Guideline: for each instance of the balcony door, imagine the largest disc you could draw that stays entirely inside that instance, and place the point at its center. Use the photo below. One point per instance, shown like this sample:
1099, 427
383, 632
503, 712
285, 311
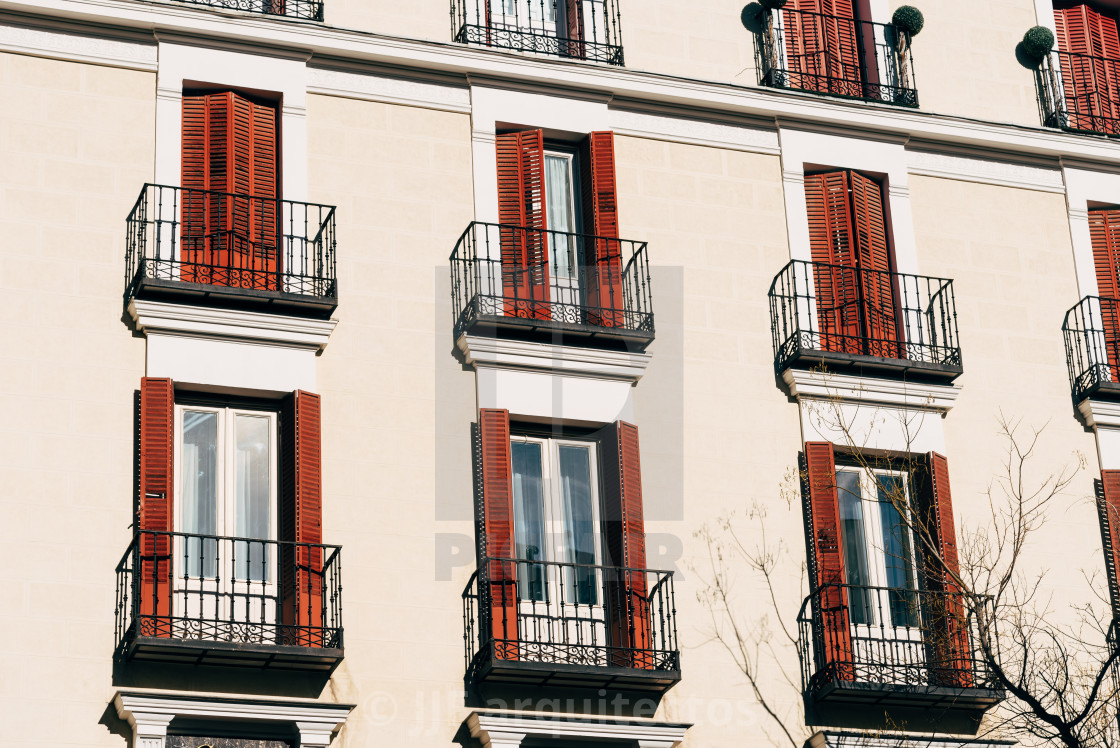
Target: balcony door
880, 571
557, 542
561, 199
225, 581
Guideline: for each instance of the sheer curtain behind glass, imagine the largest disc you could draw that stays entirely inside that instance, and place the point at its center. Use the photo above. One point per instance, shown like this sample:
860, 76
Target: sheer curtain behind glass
199, 493
854, 536
558, 194
579, 523
253, 488
528, 516
898, 553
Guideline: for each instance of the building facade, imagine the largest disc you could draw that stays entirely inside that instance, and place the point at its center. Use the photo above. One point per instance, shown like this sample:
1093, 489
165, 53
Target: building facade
588, 372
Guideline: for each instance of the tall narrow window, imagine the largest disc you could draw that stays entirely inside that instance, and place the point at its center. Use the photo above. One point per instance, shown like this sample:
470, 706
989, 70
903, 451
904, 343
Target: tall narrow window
856, 301
1104, 231
229, 204
1089, 57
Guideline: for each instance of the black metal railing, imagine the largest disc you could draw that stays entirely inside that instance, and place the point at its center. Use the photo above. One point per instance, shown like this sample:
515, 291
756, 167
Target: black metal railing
837, 56
570, 614
554, 278
841, 309
1092, 337
1080, 92
185, 586
573, 29
308, 9
231, 240
892, 637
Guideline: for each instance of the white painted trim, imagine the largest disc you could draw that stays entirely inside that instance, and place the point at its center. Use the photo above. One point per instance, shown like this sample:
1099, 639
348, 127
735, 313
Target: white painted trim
1098, 413
230, 324
482, 351
843, 387
78, 46
150, 714
388, 89
830, 739
1085, 184
806, 149
483, 725
985, 171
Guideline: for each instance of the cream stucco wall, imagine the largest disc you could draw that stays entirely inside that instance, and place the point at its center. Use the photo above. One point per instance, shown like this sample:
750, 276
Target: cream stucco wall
76, 144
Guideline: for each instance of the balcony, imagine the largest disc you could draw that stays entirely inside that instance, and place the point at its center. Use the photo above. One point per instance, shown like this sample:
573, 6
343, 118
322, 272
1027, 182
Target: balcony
845, 317
532, 623
1092, 335
836, 56
200, 245
210, 600
527, 281
585, 30
894, 648
1080, 93
311, 10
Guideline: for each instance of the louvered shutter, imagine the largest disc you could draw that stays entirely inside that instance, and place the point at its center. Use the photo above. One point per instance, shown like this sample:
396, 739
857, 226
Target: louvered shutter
498, 570
947, 625
155, 505
826, 569
627, 589
1089, 69
301, 521
1108, 505
1104, 230
873, 256
834, 274
822, 51
229, 232
605, 305
521, 211
573, 19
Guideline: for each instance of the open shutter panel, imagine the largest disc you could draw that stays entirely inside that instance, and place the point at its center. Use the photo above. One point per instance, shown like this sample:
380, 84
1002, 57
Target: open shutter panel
948, 632
301, 521
627, 589
600, 207
826, 568
155, 520
498, 573
1104, 230
205, 217
835, 275
821, 49
1089, 74
873, 255
521, 211
574, 21
1108, 504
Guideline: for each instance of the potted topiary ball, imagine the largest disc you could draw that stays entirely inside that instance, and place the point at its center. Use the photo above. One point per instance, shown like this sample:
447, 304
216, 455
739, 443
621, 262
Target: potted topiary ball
908, 20
1037, 42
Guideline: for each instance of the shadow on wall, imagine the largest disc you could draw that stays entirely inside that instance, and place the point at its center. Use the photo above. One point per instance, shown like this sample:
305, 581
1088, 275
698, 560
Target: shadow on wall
307, 685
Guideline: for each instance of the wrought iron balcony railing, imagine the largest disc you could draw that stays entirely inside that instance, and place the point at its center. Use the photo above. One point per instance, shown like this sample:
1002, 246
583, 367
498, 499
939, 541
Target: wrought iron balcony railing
564, 619
836, 56
1080, 92
210, 595
311, 10
535, 279
914, 643
217, 242
1092, 336
842, 315
572, 29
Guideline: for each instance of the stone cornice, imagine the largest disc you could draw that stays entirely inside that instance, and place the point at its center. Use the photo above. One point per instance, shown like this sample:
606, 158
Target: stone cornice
1099, 413
230, 324
481, 351
842, 387
482, 724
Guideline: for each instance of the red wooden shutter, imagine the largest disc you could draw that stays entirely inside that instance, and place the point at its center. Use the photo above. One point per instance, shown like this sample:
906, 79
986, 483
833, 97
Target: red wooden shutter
627, 588
573, 18
874, 258
1104, 230
822, 53
600, 207
1089, 70
301, 521
521, 211
1108, 505
948, 625
156, 503
822, 519
229, 149
499, 575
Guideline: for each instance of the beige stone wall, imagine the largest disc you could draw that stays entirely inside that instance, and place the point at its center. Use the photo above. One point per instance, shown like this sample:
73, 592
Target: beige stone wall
76, 144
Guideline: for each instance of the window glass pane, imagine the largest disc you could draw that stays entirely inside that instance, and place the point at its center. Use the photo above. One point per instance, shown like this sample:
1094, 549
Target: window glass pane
253, 489
854, 536
199, 492
579, 523
528, 516
561, 218
897, 550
